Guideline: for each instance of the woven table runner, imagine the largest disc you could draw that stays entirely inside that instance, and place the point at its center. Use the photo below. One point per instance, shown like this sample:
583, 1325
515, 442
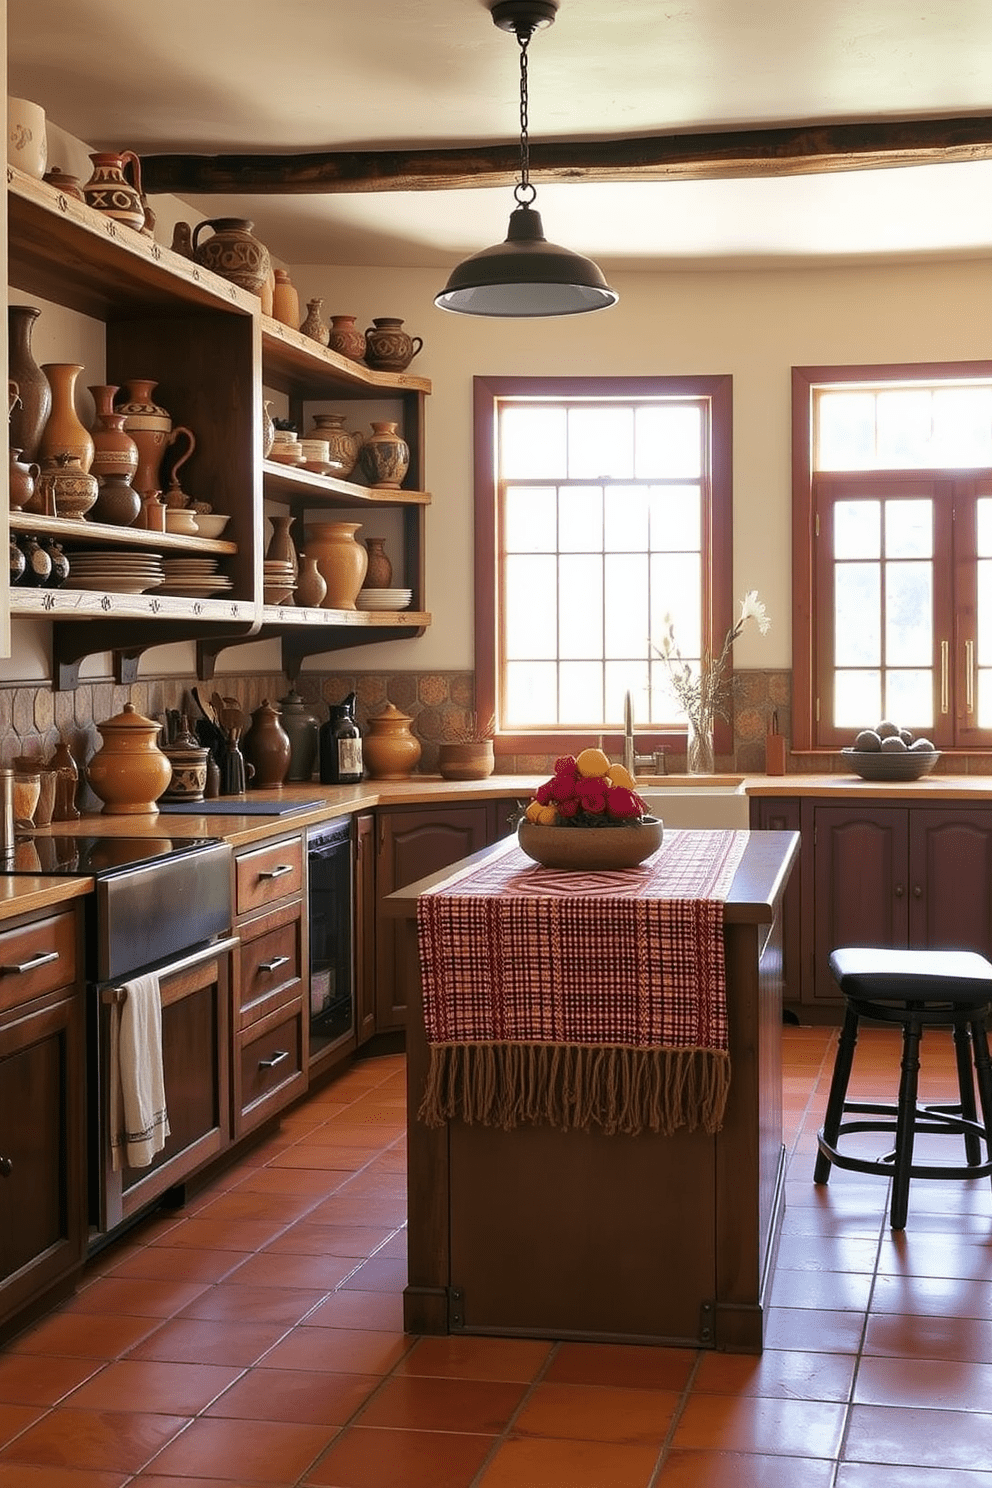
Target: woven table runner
580, 999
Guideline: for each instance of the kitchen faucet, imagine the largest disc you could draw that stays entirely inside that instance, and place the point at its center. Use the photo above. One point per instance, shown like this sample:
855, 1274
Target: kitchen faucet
631, 759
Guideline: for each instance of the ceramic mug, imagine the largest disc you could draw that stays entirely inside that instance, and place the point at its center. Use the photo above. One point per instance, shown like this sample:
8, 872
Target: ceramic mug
27, 142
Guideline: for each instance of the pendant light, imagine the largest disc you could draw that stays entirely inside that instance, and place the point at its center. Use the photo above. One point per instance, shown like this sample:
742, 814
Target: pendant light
525, 275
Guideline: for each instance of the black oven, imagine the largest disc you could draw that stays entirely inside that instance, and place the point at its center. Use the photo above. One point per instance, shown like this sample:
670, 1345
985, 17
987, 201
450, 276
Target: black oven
332, 964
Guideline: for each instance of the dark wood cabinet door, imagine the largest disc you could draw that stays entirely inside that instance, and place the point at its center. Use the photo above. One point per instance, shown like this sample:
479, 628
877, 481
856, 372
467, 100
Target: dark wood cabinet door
413, 842
773, 814
364, 927
950, 878
860, 889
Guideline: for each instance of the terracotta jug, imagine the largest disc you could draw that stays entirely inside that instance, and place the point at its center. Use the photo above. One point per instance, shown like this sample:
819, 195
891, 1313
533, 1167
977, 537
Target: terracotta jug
109, 191
115, 452
152, 430
341, 559
266, 746
285, 300
129, 772
390, 750
29, 411
385, 455
346, 338
388, 348
233, 252
342, 448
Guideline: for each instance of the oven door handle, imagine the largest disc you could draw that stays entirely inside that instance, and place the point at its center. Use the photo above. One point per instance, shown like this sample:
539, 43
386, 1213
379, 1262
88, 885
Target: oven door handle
118, 993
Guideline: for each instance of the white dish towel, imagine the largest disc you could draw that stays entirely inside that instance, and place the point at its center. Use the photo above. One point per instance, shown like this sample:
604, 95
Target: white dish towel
139, 1122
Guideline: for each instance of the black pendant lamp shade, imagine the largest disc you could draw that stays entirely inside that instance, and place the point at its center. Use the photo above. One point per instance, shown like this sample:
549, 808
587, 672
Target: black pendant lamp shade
525, 275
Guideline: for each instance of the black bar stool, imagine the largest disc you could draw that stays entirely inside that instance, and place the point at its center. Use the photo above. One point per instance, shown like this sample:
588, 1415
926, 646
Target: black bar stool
917, 990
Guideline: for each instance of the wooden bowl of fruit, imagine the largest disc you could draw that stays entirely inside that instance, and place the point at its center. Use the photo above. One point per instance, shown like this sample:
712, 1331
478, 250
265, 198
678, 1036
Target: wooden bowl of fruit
888, 752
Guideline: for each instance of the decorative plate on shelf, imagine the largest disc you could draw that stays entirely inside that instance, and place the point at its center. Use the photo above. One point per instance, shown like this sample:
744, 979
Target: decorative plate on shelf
875, 764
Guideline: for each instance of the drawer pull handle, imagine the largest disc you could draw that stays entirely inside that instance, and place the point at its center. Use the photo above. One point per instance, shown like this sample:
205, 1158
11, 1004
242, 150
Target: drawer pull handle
276, 1058
278, 872
274, 964
6, 1166
43, 958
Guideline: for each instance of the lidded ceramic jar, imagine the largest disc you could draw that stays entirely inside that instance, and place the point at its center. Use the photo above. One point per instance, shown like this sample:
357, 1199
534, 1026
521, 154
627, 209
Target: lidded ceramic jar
390, 749
129, 771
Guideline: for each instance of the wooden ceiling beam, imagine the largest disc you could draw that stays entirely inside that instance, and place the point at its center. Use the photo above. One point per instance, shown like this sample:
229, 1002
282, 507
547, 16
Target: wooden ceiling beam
807, 149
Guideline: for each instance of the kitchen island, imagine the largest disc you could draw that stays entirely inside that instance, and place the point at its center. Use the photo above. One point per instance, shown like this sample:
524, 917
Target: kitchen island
650, 1238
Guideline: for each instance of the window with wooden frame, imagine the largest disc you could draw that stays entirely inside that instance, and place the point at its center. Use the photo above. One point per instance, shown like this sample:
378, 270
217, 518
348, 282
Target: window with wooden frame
892, 553
602, 505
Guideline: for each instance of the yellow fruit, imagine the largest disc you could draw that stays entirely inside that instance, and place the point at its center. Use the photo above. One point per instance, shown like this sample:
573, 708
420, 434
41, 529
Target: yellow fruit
593, 764
548, 816
533, 812
620, 776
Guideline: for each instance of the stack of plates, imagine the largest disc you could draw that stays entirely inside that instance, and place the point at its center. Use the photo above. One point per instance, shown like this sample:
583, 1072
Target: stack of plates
278, 581
196, 578
384, 599
114, 572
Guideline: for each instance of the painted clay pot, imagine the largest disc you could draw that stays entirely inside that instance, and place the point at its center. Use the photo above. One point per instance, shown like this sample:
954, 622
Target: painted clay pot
388, 348
189, 774
233, 252
62, 181
27, 138
345, 338
115, 452
129, 772
118, 503
64, 432
151, 428
389, 748
314, 326
342, 447
342, 561
33, 402
64, 489
385, 456
109, 191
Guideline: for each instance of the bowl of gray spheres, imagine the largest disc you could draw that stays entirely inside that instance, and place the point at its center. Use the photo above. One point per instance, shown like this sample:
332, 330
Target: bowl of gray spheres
888, 752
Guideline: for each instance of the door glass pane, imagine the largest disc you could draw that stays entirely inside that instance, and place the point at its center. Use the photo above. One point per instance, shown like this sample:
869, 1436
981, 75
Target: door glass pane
857, 699
668, 441
530, 522
531, 610
858, 529
909, 698
580, 607
857, 615
600, 443
908, 615
909, 529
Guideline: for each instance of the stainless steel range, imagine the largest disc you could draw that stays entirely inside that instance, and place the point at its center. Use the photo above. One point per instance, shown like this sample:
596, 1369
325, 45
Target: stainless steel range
159, 904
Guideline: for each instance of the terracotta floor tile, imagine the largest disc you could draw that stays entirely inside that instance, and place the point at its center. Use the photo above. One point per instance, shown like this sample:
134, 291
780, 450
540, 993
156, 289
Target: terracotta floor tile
519, 1359
321, 1273
15, 1419
153, 1480
827, 1253
379, 1274
242, 1204
906, 1435
741, 1470
781, 1373
195, 1341
569, 1464
872, 1475
621, 1364
935, 1297
18, 1475
153, 1385
968, 1340
416, 1403
597, 1413
796, 1428
300, 1396
170, 1263
342, 1208
264, 1451
840, 1291
41, 1379
934, 1254
258, 1304
124, 1296
339, 1350
363, 1458
82, 1334
108, 1440
289, 1180
378, 1311
938, 1384
305, 1238
244, 1235
326, 1159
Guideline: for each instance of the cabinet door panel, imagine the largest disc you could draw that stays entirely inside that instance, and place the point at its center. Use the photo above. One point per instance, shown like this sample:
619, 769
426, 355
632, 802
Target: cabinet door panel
859, 887
950, 879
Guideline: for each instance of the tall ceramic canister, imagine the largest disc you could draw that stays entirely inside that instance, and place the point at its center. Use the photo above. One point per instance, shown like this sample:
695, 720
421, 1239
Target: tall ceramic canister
27, 137
33, 401
129, 771
391, 751
152, 430
109, 191
233, 252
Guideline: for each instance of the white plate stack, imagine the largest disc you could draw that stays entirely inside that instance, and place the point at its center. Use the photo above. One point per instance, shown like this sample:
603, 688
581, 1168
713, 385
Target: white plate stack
114, 572
384, 599
194, 578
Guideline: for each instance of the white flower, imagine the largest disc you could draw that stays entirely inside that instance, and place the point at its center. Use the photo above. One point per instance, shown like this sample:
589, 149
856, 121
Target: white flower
752, 608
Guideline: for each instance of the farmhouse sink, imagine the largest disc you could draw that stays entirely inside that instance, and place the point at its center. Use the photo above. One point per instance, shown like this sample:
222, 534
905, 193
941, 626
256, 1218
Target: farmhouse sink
695, 801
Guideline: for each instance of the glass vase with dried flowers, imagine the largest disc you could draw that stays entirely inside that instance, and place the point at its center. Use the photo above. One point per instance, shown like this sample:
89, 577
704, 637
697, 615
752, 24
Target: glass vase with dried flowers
705, 690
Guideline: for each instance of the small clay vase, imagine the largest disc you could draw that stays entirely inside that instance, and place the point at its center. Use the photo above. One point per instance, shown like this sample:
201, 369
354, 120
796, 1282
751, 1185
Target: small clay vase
388, 348
62, 181
310, 586
109, 191
342, 448
115, 452
233, 252
23, 478
182, 240
390, 750
385, 456
118, 503
341, 559
266, 747
151, 428
64, 489
285, 300
64, 433
345, 338
379, 574
129, 771
281, 546
314, 326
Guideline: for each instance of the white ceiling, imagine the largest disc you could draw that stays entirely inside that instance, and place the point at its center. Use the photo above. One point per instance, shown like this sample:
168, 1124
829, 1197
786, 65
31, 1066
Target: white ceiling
206, 76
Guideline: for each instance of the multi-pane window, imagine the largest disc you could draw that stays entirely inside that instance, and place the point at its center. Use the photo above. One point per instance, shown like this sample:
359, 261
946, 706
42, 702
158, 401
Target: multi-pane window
897, 506
601, 509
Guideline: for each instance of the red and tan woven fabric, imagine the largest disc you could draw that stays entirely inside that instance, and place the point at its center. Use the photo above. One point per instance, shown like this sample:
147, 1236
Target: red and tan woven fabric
582, 999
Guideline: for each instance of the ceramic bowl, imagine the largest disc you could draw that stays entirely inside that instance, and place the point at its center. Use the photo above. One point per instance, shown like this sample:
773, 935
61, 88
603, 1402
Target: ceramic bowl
591, 849
181, 519
211, 524
874, 764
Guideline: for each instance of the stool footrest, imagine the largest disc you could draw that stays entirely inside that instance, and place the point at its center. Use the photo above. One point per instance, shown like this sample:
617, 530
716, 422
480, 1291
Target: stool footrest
941, 1119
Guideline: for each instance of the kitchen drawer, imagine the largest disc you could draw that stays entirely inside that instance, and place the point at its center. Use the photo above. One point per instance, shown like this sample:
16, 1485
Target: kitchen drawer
267, 874
271, 1066
271, 962
36, 958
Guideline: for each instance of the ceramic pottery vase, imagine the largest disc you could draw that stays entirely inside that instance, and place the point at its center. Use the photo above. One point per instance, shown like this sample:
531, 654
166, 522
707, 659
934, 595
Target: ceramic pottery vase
64, 488
118, 503
341, 559
189, 774
388, 348
385, 456
27, 140
266, 747
115, 452
285, 300
64, 433
37, 563
182, 240
59, 561
472, 759
62, 181
390, 750
233, 252
342, 448
310, 587
281, 547
379, 574
302, 728
314, 326
345, 337
23, 478
268, 429
109, 191
129, 772
152, 430
29, 413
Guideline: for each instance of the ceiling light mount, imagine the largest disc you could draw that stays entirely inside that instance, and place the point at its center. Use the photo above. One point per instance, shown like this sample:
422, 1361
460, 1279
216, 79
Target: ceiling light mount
525, 275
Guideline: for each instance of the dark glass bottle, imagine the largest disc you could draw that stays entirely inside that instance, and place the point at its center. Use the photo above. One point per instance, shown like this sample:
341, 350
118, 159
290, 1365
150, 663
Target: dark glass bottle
341, 745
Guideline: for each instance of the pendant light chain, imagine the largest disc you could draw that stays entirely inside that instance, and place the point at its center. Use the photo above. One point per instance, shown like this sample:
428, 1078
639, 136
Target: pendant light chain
524, 193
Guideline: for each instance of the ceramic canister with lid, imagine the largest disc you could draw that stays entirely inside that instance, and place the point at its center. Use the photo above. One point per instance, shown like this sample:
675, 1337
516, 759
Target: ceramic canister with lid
129, 772
391, 751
